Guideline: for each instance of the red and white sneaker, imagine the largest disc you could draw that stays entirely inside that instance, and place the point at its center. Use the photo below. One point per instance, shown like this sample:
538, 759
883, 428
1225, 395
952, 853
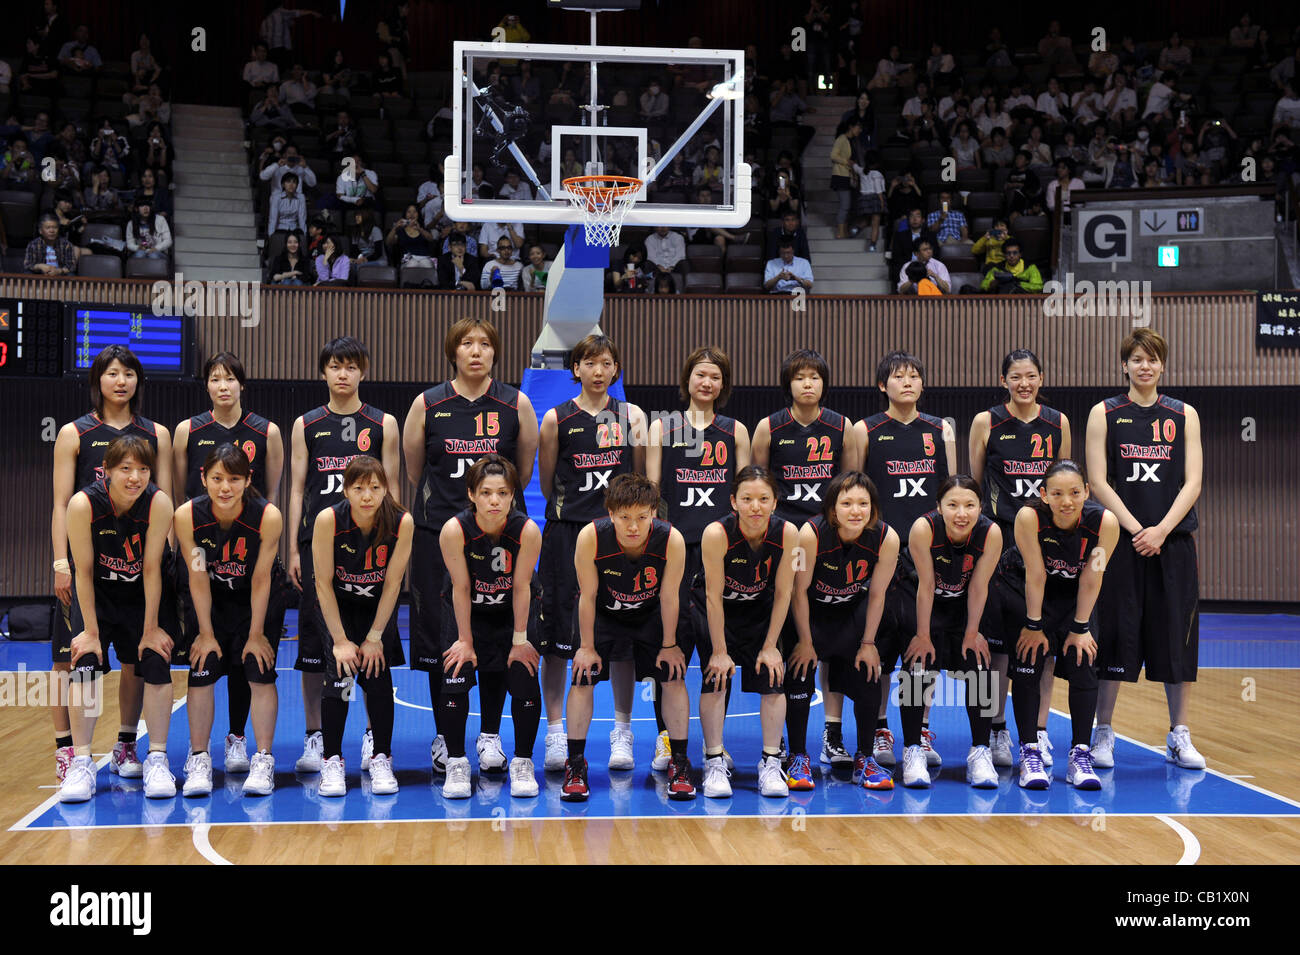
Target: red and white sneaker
679, 784
575, 780
124, 762
932, 757
62, 760
882, 747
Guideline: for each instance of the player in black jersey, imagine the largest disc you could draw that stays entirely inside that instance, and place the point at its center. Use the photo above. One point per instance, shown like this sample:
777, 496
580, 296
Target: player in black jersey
448, 428
1042, 605
228, 537
1144, 461
116, 380
366, 539
489, 627
260, 441
1011, 446
848, 557
954, 550
117, 533
740, 601
907, 455
585, 443
325, 440
629, 567
694, 460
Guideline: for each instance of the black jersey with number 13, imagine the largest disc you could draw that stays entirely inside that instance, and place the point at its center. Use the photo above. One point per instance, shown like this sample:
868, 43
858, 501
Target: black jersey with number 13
628, 589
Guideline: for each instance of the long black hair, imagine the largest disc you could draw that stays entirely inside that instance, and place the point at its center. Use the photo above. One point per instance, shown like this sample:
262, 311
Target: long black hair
235, 462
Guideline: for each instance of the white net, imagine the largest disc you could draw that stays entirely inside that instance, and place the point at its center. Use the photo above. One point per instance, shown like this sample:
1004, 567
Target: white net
603, 202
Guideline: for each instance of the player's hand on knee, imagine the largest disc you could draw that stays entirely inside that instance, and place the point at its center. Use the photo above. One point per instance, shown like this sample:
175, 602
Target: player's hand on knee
372, 659
525, 654
868, 660
920, 650
157, 640
770, 657
803, 660
457, 655
975, 645
259, 648
1029, 645
671, 659
204, 644
346, 658
1083, 645
82, 644
586, 663
719, 669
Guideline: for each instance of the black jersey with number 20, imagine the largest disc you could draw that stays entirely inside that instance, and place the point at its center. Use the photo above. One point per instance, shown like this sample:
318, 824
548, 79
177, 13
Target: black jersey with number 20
696, 474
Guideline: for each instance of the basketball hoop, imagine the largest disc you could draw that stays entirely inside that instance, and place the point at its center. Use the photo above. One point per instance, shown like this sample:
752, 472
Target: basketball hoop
603, 202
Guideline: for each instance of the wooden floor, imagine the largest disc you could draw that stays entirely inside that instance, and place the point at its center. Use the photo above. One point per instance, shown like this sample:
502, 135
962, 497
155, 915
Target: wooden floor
1259, 737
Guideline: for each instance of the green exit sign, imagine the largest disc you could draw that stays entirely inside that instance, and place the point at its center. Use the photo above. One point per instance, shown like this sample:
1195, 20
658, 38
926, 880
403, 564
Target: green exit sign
1168, 257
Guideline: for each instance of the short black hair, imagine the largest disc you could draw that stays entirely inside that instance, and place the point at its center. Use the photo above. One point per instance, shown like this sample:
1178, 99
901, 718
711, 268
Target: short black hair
289, 177
798, 361
896, 360
345, 348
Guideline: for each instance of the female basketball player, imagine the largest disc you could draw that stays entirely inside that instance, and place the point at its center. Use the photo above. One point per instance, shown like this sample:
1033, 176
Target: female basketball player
1043, 603
741, 603
1011, 446
231, 589
447, 429
1144, 459
489, 626
845, 583
585, 443
366, 538
259, 439
806, 445
907, 454
116, 379
692, 460
955, 550
117, 534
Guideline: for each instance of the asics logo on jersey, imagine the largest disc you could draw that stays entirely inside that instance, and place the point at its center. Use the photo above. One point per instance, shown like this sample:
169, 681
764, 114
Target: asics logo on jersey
1007, 437
442, 414
596, 480
99, 444
911, 487
805, 492
1025, 488
1143, 472
321, 434
783, 442
698, 497
204, 444
1123, 420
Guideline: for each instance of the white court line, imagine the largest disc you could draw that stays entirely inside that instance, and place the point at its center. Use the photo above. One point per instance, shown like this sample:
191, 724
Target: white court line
1191, 845
205, 847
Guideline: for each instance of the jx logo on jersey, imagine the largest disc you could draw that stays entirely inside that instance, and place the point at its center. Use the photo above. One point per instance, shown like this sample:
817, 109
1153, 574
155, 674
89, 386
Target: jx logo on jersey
698, 497
834, 599
805, 492
490, 600
1025, 488
1143, 472
911, 487
596, 480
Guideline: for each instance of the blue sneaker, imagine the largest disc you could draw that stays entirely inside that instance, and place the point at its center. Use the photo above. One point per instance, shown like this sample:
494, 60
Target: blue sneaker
1032, 774
799, 775
868, 774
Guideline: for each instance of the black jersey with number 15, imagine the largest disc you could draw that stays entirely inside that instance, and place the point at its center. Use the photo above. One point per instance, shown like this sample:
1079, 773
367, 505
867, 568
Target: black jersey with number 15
592, 450
1147, 453
696, 474
333, 440
804, 459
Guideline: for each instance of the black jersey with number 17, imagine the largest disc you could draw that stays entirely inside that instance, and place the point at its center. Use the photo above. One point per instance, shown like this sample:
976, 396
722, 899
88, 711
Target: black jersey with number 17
591, 450
1147, 453
1016, 458
804, 459
698, 466
94, 436
118, 540
206, 434
906, 462
333, 440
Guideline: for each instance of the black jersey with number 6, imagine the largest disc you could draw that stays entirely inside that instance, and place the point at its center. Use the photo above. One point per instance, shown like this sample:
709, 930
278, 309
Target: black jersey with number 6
491, 563
119, 541
749, 573
206, 433
230, 553
906, 463
1147, 453
333, 440
842, 572
697, 469
628, 588
592, 450
804, 459
457, 432
954, 563
94, 437
360, 563
1016, 458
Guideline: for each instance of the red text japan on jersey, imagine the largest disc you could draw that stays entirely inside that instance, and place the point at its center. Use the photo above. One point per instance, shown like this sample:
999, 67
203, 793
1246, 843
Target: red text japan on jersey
1147, 452
600, 459
923, 466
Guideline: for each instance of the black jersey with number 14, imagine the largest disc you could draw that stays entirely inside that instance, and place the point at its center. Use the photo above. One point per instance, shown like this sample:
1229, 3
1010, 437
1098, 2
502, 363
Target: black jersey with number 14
229, 553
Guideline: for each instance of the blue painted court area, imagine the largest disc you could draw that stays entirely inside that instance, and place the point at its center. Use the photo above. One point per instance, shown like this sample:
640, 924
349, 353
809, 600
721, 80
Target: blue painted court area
1142, 784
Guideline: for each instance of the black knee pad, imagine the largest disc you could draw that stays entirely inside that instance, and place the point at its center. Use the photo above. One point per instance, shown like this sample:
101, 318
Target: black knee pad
797, 689
252, 672
521, 684
207, 674
154, 669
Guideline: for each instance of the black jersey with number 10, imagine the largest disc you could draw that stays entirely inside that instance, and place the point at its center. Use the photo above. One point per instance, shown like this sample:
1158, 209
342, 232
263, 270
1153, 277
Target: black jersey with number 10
1147, 453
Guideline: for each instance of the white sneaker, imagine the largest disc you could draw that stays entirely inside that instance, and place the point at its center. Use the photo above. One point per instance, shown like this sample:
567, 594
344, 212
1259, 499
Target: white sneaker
236, 757
457, 785
438, 754
63, 756
1032, 774
979, 768
1045, 748
882, 748
523, 778
1080, 774
313, 754
79, 781
932, 757
382, 780
663, 753
124, 761
916, 768
1103, 747
557, 752
620, 749
491, 757
333, 777
198, 775
367, 750
1180, 751
716, 785
1000, 747
731, 763
771, 781
261, 775
159, 783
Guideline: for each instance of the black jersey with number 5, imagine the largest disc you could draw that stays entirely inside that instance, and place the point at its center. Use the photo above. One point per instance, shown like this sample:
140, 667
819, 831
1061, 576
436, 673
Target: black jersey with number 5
491, 563
206, 433
457, 432
697, 469
230, 553
954, 563
628, 588
94, 437
749, 573
1146, 450
119, 541
333, 440
1016, 458
804, 459
842, 572
360, 563
591, 450
906, 462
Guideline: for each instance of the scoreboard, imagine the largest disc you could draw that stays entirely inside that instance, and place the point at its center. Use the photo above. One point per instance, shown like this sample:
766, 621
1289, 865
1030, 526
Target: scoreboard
31, 338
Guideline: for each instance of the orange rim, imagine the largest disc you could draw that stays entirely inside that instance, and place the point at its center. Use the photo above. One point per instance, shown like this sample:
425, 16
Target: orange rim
601, 188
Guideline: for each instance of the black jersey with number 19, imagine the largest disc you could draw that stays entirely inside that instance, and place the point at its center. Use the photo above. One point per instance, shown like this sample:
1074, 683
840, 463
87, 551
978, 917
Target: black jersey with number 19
1147, 451
333, 440
1016, 458
804, 459
628, 588
591, 450
491, 563
698, 467
94, 436
206, 433
906, 462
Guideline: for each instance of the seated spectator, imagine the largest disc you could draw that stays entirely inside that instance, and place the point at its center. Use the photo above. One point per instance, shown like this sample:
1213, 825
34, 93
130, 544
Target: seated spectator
1057, 51
458, 268
72, 222
271, 112
965, 148
259, 72
288, 162
935, 271
461, 229
1050, 104
677, 178
1159, 97
50, 253
490, 232
78, 55
1176, 56
1287, 111
664, 284
665, 250
996, 53
891, 70
147, 235
6, 77
356, 185
18, 167
1087, 104
709, 173
903, 243
1216, 141
67, 176
504, 270
1060, 188
344, 139
1099, 156
1120, 172
1120, 102
515, 188
481, 188
332, 265
145, 71
429, 196
870, 206
792, 230
37, 72
1069, 148
787, 271
788, 167
948, 223
1023, 191
785, 199
1014, 275
288, 207
903, 195
998, 153
1284, 71
1151, 178
298, 89
100, 196
654, 104
707, 235
988, 247
74, 148
361, 239
525, 87
785, 107
155, 154
1101, 65
1190, 169
1040, 154
941, 67
1242, 36
386, 80
535, 272
336, 76
634, 276
411, 242
109, 150
1019, 103
316, 230
1164, 163
39, 135
912, 106
150, 108
292, 266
